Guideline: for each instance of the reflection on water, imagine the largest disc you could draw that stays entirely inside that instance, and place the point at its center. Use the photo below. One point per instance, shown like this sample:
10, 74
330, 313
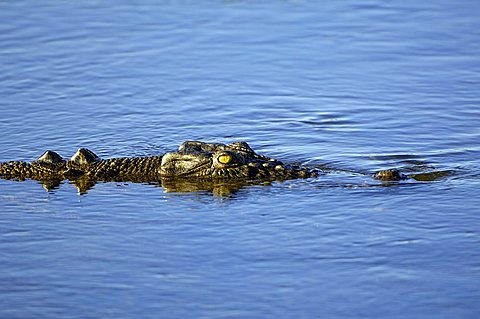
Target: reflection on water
225, 188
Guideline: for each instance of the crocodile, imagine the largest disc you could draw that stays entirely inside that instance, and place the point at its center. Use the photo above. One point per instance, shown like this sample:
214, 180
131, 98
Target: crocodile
194, 161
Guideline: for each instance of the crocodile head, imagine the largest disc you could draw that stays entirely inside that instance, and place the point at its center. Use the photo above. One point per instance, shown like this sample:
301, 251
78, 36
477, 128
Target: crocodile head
220, 161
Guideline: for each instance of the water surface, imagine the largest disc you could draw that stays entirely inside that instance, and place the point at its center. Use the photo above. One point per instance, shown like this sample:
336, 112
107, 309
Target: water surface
352, 87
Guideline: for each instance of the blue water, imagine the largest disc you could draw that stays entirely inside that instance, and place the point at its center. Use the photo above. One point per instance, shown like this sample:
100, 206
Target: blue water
350, 86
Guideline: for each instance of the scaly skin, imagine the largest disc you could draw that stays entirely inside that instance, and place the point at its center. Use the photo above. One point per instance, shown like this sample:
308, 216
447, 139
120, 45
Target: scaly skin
143, 169
33, 170
195, 161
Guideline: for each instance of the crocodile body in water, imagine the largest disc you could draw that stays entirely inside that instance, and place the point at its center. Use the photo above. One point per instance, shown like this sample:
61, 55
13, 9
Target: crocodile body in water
194, 161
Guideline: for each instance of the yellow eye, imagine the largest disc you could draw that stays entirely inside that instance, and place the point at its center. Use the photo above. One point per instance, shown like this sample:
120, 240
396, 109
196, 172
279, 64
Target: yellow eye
225, 158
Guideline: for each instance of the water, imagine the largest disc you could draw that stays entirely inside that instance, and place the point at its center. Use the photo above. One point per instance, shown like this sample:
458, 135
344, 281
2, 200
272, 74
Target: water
353, 87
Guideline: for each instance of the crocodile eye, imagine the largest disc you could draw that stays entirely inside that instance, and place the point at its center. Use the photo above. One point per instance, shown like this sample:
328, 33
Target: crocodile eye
225, 158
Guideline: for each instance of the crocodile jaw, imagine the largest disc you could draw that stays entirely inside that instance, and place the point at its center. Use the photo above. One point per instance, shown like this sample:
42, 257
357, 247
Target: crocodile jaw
181, 164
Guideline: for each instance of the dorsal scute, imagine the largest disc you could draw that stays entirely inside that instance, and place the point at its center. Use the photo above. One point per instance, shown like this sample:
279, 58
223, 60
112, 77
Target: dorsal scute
50, 157
84, 156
